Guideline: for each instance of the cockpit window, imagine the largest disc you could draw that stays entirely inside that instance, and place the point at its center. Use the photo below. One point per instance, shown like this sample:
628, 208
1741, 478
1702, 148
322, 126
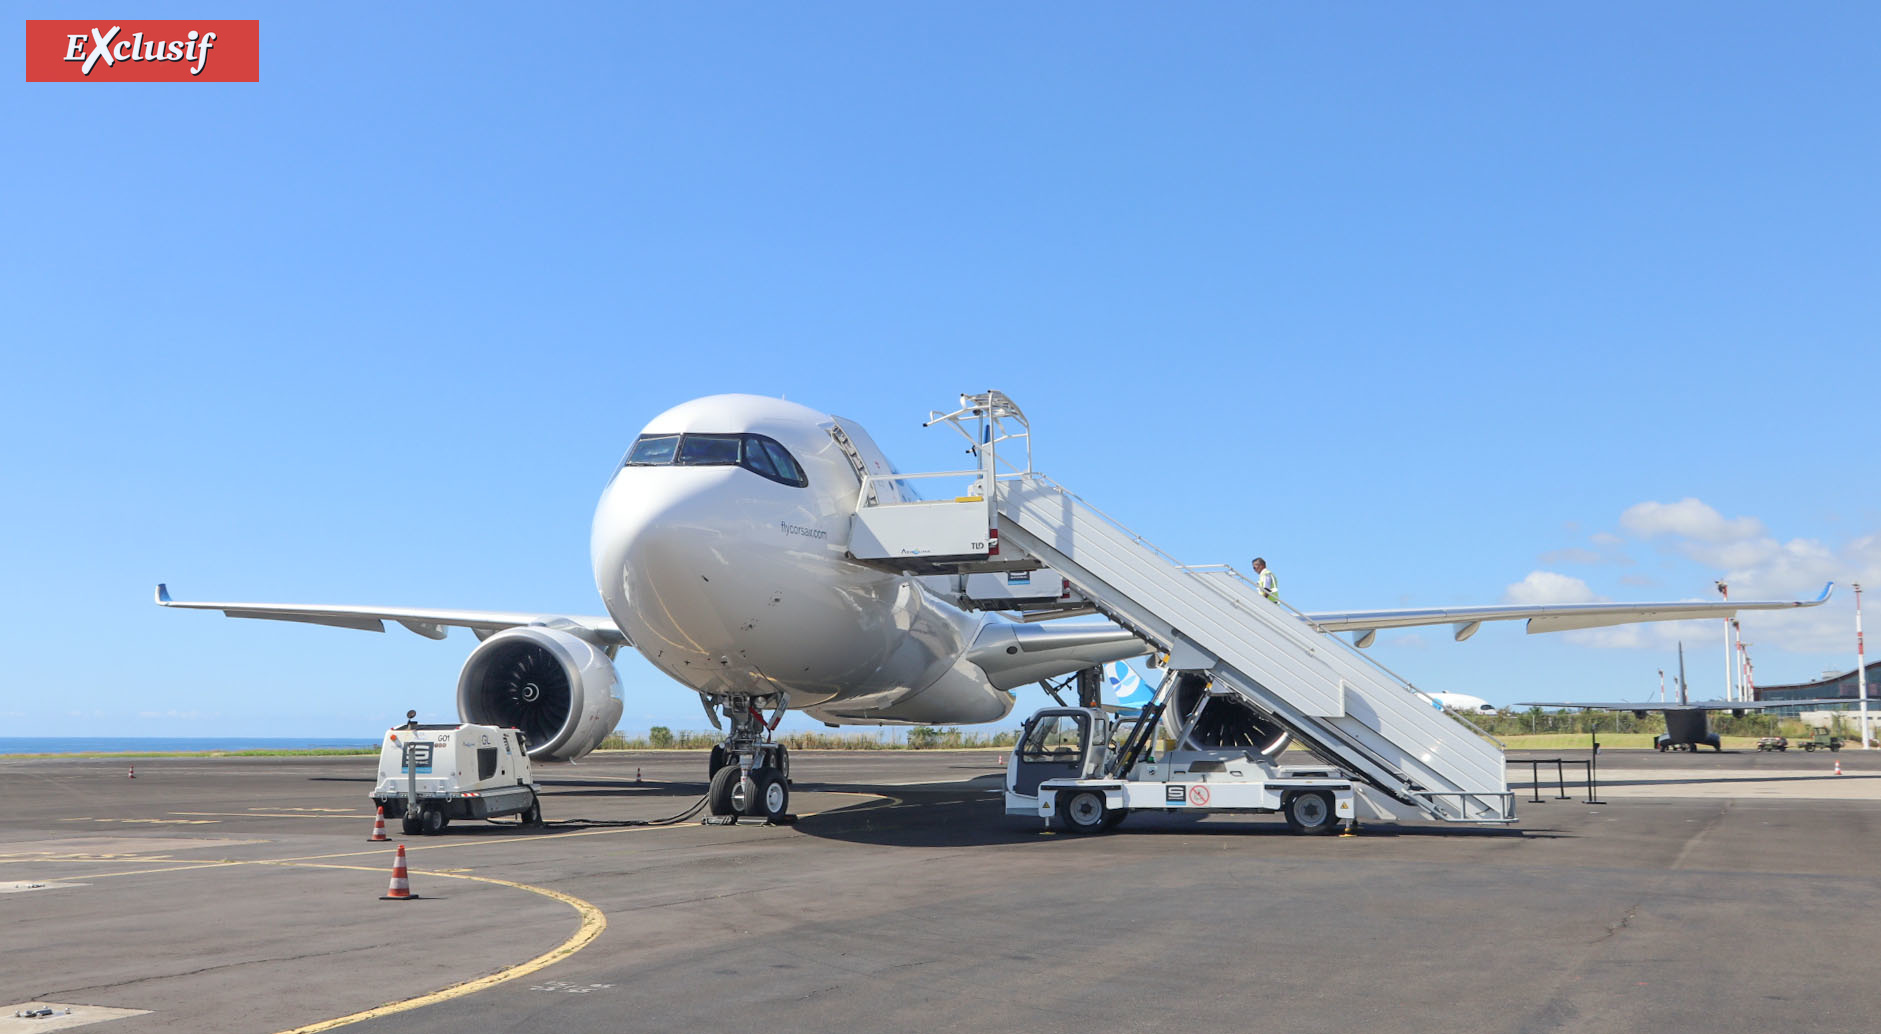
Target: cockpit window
754, 452
709, 450
787, 469
758, 461
653, 450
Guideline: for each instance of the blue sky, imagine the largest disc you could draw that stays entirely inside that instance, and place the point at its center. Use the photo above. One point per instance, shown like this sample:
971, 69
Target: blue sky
1425, 310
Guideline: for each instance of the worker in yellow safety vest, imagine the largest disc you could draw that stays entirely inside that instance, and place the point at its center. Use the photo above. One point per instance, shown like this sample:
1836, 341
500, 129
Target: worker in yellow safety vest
1269, 585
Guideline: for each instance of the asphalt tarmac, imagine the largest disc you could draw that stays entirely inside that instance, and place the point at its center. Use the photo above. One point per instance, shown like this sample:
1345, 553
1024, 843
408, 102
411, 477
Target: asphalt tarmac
1728, 892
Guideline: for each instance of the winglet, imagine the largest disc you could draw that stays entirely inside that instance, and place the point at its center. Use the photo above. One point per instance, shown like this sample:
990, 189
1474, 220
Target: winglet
1826, 590
163, 594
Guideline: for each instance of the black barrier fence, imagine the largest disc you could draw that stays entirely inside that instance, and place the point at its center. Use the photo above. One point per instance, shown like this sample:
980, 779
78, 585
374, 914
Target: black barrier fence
1589, 779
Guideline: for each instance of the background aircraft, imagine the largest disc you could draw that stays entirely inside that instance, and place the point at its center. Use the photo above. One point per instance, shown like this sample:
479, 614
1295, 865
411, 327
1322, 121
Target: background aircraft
1463, 702
1687, 722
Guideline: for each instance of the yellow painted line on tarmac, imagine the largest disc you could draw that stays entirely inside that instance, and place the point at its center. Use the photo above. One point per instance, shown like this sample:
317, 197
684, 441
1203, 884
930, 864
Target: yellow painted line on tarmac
160, 820
87, 860
412, 846
592, 923
219, 863
354, 816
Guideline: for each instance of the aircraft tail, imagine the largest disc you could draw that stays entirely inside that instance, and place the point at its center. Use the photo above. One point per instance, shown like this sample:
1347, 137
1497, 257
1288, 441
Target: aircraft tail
1682, 697
1125, 687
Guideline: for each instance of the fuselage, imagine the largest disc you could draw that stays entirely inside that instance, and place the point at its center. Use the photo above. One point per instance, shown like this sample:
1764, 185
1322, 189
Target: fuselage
725, 564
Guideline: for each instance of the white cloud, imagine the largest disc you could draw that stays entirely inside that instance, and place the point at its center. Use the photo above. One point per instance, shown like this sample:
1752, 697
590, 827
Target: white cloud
1687, 518
1741, 552
1543, 587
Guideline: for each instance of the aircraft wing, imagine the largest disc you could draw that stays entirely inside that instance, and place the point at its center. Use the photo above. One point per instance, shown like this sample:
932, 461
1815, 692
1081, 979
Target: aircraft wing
1696, 705
1554, 617
430, 623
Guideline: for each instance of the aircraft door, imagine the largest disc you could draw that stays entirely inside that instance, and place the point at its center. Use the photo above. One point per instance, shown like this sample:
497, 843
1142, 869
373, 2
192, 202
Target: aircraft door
1051, 746
868, 459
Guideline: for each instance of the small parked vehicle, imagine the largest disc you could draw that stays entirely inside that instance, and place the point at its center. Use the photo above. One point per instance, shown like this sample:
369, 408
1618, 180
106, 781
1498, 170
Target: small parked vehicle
1823, 741
1773, 743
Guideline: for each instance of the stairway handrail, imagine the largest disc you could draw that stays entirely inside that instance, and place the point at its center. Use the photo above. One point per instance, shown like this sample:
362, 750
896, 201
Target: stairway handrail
1198, 568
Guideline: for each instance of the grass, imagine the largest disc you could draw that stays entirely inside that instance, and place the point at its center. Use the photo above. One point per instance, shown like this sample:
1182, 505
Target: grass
307, 753
1608, 741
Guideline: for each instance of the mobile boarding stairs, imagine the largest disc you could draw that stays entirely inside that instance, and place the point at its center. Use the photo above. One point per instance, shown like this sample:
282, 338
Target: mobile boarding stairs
1338, 703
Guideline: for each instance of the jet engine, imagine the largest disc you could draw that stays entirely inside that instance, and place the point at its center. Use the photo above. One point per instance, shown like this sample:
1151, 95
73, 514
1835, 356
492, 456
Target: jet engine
558, 688
1224, 721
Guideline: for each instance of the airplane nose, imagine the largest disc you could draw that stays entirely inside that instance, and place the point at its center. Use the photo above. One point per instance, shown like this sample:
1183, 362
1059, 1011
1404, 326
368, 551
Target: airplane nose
654, 526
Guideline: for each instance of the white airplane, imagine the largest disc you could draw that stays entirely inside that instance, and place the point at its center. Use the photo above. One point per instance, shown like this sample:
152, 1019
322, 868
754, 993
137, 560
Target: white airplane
1463, 703
720, 549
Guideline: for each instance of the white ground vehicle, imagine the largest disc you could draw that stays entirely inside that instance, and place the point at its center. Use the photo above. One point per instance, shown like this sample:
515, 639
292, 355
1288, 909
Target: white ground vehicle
431, 774
1089, 769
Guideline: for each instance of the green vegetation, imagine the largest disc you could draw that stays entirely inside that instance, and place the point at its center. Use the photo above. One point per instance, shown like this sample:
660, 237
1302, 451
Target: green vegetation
920, 737
1608, 741
1509, 725
310, 752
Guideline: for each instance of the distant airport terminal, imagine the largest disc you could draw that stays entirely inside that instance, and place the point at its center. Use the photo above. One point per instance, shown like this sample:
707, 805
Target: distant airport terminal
1844, 686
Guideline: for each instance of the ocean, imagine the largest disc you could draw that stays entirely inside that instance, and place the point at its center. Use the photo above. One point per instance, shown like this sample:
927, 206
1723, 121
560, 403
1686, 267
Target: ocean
141, 744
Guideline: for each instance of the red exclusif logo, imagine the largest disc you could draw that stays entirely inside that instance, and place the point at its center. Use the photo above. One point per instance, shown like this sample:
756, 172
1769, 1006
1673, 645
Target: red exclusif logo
143, 51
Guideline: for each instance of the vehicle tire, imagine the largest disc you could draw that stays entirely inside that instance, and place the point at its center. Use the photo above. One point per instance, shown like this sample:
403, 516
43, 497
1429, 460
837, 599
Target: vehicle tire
532, 815
719, 797
1084, 811
717, 762
433, 820
1311, 812
771, 797
410, 824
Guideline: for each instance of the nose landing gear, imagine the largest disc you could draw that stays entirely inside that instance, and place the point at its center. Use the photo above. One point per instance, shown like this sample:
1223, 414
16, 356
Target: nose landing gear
750, 775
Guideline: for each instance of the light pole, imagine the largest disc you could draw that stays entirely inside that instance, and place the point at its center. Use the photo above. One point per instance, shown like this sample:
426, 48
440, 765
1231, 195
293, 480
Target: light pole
1861, 669
1730, 684
1662, 685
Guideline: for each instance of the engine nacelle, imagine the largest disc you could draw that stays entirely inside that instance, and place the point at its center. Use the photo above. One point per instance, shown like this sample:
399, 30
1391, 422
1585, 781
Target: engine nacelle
1224, 721
558, 688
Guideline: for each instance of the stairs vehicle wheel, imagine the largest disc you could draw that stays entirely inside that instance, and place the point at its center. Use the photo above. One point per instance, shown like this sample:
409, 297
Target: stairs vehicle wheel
1084, 811
1311, 812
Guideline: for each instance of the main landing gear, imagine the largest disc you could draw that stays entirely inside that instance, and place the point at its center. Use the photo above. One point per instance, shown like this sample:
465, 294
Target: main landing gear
750, 775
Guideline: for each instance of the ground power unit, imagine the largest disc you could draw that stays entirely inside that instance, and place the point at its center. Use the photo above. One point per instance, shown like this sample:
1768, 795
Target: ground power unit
432, 774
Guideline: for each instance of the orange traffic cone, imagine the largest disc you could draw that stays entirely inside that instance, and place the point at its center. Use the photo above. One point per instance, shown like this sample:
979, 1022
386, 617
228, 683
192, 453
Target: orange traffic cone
378, 828
636, 775
1838, 768
133, 774
401, 885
